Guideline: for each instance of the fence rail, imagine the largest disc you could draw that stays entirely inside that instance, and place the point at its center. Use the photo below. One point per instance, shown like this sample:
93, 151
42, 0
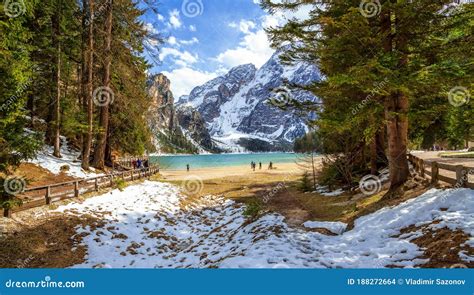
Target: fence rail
460, 173
45, 195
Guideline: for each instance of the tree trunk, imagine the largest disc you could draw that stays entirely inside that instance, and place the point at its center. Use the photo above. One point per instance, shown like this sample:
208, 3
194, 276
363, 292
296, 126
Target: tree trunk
381, 146
313, 166
31, 106
57, 102
373, 156
88, 20
99, 154
396, 112
54, 112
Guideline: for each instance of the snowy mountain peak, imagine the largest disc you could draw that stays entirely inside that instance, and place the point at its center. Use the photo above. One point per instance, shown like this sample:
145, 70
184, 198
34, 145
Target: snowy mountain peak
236, 110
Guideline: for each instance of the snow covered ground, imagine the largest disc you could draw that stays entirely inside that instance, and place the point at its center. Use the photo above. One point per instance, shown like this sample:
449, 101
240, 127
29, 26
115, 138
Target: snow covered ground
152, 225
46, 160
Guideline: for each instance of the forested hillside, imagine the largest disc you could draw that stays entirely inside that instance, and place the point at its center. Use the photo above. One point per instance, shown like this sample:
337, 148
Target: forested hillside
398, 76
73, 69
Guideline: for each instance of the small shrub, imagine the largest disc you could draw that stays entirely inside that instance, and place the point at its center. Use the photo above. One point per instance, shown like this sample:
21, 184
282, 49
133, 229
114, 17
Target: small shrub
329, 176
306, 183
253, 209
120, 184
64, 168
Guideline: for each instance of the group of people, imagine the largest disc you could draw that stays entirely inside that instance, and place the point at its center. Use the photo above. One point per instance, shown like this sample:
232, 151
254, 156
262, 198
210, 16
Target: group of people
140, 164
253, 165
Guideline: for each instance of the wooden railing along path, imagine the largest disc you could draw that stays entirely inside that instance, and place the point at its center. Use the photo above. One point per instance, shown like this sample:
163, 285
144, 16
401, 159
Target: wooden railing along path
45, 195
460, 173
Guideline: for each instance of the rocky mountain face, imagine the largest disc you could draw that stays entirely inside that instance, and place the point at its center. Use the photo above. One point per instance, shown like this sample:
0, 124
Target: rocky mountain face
163, 113
195, 129
175, 130
236, 109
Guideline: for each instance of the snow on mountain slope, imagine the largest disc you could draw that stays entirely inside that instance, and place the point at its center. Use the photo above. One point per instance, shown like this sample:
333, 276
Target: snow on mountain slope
236, 106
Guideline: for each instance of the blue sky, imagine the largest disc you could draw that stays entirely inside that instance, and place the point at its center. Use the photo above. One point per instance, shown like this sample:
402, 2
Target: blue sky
206, 38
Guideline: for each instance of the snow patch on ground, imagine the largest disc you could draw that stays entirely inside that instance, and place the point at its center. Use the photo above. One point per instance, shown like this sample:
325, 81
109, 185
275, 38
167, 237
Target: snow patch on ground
325, 191
46, 160
147, 226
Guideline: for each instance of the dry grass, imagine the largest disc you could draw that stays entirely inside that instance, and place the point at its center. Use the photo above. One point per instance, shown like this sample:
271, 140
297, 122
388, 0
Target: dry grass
442, 247
48, 244
38, 176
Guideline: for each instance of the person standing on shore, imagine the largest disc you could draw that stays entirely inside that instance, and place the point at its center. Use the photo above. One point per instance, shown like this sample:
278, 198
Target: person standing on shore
270, 166
187, 167
260, 165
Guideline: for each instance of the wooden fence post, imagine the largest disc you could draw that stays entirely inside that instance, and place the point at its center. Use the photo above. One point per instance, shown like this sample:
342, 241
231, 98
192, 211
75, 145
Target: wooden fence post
421, 164
76, 189
461, 176
434, 173
7, 212
48, 195
96, 184
132, 174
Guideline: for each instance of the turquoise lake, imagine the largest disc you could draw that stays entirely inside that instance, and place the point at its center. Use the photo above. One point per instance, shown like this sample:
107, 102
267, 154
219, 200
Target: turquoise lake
222, 160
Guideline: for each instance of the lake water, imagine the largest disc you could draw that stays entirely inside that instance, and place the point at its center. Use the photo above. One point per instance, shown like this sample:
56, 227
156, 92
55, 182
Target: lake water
222, 160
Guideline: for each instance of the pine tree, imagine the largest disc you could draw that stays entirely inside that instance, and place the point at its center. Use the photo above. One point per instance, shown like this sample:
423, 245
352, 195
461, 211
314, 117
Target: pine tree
100, 148
397, 45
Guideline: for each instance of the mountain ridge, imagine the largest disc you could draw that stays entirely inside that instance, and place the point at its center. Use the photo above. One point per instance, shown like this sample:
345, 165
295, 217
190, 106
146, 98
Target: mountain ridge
236, 108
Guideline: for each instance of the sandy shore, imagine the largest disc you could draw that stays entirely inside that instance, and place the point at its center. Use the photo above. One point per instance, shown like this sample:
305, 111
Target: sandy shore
221, 172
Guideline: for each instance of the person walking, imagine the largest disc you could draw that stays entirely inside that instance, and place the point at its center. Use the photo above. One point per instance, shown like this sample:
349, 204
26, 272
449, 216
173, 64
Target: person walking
260, 165
254, 165
187, 167
139, 164
270, 166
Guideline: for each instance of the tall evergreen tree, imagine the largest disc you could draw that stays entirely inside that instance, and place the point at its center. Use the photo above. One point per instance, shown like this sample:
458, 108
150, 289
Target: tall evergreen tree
356, 47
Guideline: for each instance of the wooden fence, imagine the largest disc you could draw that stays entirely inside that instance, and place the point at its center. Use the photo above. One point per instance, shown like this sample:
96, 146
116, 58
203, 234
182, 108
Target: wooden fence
460, 174
127, 162
45, 195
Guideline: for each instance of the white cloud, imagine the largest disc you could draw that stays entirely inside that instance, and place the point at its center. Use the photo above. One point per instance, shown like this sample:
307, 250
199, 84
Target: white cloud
246, 26
254, 48
193, 40
182, 57
233, 25
174, 20
192, 28
172, 40
160, 17
184, 79
177, 43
